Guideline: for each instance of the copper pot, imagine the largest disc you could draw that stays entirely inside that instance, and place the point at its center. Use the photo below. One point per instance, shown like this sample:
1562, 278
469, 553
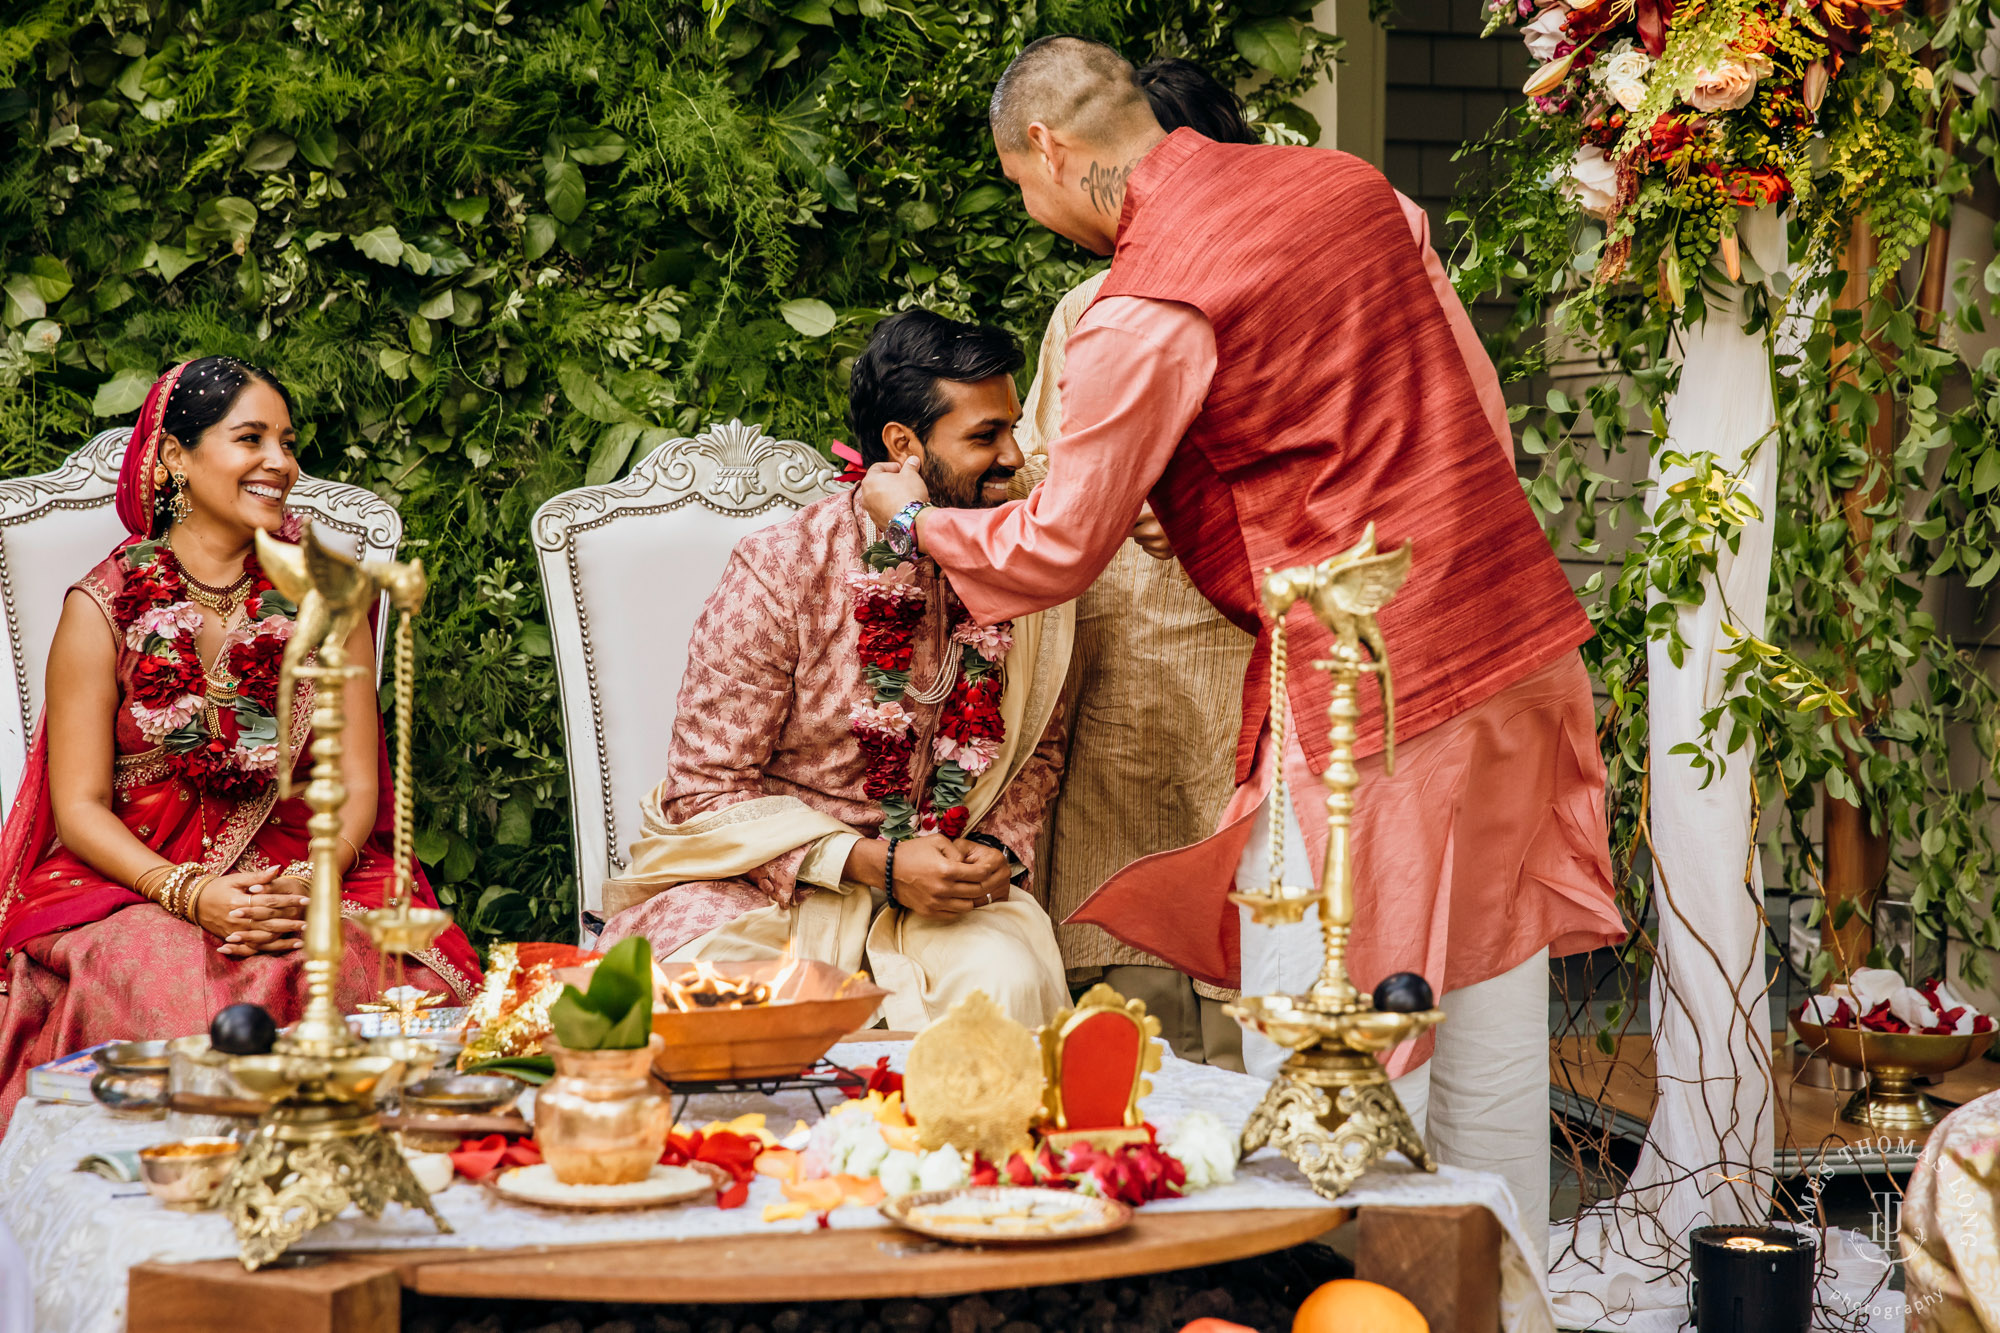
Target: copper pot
600, 1120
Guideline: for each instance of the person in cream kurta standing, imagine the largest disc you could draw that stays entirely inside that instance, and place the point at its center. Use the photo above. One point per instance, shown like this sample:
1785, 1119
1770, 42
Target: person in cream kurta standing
1269, 365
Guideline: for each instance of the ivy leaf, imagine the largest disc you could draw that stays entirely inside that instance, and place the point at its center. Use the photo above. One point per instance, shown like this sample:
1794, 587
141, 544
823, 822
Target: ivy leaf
50, 276
593, 147
124, 392
1986, 472
564, 189
979, 200
814, 318
541, 235
223, 218
438, 307
394, 361
917, 215
615, 447
421, 336
516, 823
1271, 44
588, 396
472, 210
382, 244
24, 301
269, 151
840, 189
319, 146
813, 11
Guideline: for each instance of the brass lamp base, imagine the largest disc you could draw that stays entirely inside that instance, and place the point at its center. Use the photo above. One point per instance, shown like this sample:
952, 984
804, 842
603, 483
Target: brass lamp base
1331, 1110
304, 1166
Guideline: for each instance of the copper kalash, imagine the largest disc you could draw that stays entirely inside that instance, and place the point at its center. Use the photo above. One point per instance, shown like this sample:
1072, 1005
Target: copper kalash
319, 1147
1331, 1109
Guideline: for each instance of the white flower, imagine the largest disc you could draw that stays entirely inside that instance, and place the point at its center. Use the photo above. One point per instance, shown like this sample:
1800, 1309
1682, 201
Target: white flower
166, 621
1544, 33
899, 1172
1623, 77
1870, 986
1205, 1147
1820, 1009
1593, 181
944, 1169
1913, 1007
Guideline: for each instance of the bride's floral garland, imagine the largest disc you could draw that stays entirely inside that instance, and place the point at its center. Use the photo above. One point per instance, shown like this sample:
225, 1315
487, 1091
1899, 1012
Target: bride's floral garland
225, 745
889, 605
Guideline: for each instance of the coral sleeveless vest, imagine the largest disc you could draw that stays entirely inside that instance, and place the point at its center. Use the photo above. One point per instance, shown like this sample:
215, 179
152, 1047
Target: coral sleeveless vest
1339, 398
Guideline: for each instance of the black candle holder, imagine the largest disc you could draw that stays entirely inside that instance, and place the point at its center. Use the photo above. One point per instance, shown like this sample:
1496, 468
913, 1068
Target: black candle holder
1752, 1279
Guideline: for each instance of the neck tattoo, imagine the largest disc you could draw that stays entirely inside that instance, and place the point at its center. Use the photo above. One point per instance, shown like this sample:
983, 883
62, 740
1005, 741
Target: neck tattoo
1106, 186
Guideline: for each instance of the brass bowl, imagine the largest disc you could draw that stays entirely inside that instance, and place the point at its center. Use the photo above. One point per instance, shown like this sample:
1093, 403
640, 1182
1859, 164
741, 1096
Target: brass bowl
132, 1079
186, 1173
417, 1056
275, 1077
813, 1005
1892, 1061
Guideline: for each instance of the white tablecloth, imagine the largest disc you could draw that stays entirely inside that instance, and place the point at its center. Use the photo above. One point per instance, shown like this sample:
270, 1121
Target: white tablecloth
80, 1232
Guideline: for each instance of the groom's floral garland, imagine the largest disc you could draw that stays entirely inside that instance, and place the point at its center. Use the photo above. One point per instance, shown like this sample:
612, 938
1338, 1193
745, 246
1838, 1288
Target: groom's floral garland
889, 605
232, 752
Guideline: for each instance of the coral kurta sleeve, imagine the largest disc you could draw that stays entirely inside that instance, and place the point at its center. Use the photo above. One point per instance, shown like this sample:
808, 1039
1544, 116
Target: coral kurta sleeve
1137, 374
734, 700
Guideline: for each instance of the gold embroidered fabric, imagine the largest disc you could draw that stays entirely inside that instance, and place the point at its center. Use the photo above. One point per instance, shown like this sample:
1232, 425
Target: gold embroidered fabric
1155, 688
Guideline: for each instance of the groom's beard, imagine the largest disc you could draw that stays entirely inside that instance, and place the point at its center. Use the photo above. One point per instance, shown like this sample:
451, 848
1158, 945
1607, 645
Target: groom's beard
952, 489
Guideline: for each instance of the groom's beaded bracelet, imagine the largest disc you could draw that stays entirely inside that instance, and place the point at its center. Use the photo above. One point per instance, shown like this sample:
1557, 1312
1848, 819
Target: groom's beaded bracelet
889, 873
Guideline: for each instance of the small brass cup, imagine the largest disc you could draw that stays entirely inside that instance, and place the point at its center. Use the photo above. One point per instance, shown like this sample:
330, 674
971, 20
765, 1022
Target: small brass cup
186, 1173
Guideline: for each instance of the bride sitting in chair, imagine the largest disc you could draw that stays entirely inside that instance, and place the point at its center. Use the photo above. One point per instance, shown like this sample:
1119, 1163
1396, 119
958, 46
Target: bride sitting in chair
149, 874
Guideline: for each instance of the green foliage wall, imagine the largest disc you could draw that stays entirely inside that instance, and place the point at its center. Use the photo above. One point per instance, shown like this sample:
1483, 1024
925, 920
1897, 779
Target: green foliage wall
501, 247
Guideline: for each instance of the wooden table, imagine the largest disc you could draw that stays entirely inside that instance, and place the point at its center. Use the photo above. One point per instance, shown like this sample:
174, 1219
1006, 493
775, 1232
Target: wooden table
1445, 1259
1617, 1092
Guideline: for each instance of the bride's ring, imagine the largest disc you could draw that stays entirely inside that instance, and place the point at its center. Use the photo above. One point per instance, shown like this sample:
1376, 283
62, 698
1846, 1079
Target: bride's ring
989, 900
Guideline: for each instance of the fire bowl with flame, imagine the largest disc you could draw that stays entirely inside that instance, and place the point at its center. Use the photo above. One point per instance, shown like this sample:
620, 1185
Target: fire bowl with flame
767, 1019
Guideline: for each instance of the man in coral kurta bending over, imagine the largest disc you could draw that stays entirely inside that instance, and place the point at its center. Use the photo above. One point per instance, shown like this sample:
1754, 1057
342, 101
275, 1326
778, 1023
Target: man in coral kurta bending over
853, 776
1269, 364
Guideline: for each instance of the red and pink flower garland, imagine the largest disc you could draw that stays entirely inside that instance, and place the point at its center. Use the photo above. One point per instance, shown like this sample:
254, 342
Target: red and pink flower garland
231, 751
889, 605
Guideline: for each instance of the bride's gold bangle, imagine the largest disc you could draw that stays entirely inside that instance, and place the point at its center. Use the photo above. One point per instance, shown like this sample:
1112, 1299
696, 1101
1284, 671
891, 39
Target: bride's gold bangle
147, 886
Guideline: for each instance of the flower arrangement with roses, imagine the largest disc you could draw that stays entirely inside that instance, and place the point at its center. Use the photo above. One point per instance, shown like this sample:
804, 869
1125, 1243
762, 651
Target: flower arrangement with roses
1685, 114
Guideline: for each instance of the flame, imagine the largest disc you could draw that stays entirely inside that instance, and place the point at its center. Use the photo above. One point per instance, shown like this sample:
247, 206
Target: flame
1755, 1245
707, 988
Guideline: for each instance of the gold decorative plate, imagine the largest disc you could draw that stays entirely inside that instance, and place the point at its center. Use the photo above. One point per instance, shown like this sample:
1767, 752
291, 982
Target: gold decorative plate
537, 1185
1006, 1214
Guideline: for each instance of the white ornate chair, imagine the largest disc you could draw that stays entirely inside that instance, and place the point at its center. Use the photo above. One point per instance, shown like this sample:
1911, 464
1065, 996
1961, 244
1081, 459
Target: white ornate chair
626, 568
55, 526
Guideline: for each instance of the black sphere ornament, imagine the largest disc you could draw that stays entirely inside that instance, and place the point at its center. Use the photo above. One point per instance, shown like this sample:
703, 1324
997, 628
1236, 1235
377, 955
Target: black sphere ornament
1403, 993
242, 1029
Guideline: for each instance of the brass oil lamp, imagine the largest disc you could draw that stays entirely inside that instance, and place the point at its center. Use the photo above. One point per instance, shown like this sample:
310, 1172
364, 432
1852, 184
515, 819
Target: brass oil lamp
1331, 1109
318, 1147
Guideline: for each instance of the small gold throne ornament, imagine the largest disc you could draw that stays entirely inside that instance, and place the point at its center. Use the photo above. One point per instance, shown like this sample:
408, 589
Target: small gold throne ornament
1095, 1059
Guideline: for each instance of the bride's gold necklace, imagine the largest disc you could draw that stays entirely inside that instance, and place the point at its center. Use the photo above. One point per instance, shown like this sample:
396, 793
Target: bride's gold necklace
225, 602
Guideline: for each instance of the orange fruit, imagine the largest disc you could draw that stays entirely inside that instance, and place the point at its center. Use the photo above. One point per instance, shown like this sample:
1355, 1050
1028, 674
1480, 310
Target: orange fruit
1352, 1306
1210, 1324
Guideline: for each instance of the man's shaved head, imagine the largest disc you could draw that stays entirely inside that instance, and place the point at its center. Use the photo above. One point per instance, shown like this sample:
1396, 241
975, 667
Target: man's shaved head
1072, 85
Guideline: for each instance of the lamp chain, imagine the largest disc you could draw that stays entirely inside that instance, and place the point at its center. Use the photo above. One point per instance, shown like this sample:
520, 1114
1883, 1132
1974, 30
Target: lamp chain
405, 705
1278, 740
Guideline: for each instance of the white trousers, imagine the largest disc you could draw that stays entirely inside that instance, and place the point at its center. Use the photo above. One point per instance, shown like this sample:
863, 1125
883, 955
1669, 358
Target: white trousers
1482, 1100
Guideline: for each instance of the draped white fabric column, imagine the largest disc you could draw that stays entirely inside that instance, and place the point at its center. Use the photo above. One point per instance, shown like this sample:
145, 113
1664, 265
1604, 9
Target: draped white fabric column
1707, 1157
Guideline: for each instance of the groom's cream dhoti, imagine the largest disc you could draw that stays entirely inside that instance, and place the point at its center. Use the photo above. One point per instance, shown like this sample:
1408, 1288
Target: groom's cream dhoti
743, 847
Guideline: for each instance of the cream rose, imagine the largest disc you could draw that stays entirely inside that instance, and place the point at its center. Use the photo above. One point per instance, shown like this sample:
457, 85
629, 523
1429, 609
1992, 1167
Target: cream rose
1545, 33
1593, 181
1730, 85
1623, 78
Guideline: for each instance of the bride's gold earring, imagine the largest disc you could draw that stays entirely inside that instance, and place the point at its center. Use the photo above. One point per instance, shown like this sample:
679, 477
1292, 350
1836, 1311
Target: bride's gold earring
180, 504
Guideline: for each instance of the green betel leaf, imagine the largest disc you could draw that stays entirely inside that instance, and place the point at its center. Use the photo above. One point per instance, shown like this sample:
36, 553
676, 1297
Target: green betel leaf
124, 392
576, 1024
564, 189
635, 1029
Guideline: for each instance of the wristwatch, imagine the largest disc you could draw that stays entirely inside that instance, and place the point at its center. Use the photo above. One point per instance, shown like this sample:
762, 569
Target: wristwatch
901, 534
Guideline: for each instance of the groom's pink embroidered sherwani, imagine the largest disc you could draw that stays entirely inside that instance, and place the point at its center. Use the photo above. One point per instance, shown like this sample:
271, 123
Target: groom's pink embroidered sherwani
774, 671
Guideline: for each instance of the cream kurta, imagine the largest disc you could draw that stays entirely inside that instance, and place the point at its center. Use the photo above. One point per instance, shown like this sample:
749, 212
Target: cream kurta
745, 841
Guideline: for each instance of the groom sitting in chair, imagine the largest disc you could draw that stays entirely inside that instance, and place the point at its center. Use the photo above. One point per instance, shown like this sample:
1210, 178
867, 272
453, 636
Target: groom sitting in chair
858, 772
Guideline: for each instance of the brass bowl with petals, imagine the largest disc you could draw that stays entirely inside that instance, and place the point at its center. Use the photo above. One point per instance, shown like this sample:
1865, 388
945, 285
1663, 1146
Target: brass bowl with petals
1892, 1061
